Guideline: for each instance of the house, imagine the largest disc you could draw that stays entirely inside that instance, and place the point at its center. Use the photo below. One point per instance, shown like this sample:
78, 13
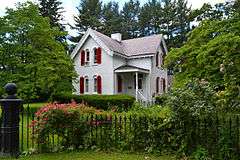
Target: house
110, 65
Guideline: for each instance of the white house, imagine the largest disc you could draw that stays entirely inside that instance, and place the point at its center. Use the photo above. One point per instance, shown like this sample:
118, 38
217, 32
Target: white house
114, 66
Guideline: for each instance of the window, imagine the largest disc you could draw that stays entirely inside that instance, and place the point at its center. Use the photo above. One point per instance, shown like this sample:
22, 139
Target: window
119, 82
81, 85
95, 55
157, 85
140, 81
87, 60
86, 84
157, 59
95, 84
163, 85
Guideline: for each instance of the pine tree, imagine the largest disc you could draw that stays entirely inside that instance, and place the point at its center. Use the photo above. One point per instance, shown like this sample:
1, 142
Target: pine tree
130, 15
89, 16
53, 10
182, 21
111, 18
150, 18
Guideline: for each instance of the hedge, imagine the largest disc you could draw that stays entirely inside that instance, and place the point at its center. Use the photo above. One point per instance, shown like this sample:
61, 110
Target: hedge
105, 102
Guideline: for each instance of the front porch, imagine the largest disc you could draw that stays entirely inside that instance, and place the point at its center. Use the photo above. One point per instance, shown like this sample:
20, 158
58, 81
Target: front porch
133, 81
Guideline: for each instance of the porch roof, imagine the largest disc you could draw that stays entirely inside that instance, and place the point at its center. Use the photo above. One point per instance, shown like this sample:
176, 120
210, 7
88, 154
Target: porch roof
128, 68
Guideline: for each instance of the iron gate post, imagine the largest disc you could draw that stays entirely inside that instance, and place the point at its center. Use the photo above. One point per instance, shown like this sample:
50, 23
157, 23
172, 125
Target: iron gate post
11, 107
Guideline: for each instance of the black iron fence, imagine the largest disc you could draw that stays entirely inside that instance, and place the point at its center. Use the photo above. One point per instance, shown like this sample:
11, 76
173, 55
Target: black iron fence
218, 135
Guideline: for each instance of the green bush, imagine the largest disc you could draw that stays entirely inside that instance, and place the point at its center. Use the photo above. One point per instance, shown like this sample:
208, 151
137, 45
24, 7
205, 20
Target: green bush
121, 102
161, 100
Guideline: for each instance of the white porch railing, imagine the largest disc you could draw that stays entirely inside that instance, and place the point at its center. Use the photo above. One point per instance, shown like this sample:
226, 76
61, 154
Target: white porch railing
140, 96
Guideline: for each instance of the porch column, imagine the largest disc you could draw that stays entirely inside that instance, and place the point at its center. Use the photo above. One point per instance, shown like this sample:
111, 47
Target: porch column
136, 79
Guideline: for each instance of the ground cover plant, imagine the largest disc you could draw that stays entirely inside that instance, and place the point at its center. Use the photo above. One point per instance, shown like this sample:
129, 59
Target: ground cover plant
96, 155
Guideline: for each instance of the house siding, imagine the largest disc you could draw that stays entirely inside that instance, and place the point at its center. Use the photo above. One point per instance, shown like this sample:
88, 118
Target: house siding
105, 70
157, 72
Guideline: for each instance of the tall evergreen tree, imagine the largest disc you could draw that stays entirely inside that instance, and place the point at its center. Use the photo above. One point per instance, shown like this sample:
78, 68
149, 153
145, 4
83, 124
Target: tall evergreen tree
182, 22
53, 10
130, 14
150, 18
111, 18
89, 16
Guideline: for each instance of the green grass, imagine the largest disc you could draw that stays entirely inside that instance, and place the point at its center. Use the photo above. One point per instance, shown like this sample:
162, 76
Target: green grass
33, 107
91, 155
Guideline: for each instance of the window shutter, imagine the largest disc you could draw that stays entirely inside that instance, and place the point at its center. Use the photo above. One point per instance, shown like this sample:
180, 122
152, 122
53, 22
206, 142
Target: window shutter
157, 59
99, 84
119, 79
99, 55
81, 85
157, 85
82, 58
164, 84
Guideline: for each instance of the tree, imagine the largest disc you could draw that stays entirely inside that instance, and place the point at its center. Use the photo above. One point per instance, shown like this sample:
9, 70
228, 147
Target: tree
89, 16
130, 15
211, 54
111, 18
53, 10
151, 18
31, 56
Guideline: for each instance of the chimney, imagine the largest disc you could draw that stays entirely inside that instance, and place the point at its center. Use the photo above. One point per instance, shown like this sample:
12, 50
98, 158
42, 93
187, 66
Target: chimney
117, 36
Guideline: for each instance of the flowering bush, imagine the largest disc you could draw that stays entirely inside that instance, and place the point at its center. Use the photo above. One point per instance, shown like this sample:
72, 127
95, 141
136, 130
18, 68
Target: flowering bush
63, 120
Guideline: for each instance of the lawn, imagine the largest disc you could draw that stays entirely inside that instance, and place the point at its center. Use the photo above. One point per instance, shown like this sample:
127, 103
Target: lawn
90, 155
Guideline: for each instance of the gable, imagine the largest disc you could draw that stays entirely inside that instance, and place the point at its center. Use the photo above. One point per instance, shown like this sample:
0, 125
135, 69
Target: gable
87, 40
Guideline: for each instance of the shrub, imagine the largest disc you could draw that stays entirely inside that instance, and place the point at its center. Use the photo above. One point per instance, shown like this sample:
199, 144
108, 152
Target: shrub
62, 120
121, 102
161, 100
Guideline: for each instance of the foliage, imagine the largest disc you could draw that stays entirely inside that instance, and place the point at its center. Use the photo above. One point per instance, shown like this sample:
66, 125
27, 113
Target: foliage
89, 16
201, 154
53, 10
211, 53
30, 55
119, 102
130, 15
112, 21
63, 120
168, 17
161, 100
197, 99
96, 155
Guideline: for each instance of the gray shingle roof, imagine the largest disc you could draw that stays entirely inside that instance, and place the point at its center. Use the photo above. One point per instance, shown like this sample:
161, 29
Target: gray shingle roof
132, 47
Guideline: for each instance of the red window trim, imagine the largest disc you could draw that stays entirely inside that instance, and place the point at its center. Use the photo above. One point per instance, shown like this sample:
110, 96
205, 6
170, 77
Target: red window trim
99, 84
99, 55
119, 83
81, 85
82, 58
157, 85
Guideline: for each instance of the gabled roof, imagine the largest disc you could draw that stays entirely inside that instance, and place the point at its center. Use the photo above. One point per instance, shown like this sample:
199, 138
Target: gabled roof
132, 47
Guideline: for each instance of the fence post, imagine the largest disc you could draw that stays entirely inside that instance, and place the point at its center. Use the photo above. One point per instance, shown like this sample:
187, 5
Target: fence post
11, 106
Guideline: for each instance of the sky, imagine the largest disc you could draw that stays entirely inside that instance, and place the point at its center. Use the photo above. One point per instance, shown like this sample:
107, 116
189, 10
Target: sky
70, 7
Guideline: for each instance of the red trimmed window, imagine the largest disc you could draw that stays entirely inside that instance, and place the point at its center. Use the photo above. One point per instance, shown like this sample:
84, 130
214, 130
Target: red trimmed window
82, 58
157, 85
99, 56
99, 84
163, 84
95, 50
87, 60
81, 85
157, 59
119, 81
